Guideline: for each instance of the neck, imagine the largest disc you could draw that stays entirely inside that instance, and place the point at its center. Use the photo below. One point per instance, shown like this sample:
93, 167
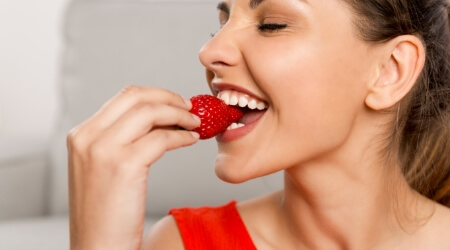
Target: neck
348, 205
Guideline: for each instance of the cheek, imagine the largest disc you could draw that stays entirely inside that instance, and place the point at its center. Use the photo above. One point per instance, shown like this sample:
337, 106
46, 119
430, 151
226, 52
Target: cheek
315, 97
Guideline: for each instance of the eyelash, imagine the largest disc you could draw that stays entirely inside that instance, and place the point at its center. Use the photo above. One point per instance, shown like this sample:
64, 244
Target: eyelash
271, 27
266, 27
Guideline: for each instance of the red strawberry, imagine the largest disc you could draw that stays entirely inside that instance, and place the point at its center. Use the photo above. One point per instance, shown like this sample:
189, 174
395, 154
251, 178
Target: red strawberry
214, 114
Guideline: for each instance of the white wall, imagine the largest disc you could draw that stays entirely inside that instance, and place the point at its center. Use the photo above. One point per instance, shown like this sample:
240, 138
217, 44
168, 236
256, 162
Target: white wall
29, 53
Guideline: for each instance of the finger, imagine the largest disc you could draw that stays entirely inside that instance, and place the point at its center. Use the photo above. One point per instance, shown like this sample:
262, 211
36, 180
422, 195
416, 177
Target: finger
152, 146
131, 96
142, 118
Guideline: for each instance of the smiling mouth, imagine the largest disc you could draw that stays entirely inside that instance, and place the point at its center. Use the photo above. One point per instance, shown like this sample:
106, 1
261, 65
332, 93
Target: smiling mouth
253, 108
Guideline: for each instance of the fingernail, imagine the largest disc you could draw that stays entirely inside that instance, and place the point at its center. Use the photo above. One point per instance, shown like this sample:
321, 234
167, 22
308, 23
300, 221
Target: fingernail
195, 135
188, 103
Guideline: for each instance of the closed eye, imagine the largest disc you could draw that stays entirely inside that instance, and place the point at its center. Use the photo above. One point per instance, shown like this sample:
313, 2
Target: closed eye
271, 27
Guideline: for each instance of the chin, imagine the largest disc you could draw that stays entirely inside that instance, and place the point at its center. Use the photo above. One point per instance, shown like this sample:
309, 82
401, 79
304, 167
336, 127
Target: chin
232, 171
235, 170
233, 176
230, 178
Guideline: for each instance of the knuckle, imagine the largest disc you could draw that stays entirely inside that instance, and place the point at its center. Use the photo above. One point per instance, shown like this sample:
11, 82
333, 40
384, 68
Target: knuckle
75, 140
72, 135
145, 107
162, 136
80, 142
173, 95
130, 90
177, 97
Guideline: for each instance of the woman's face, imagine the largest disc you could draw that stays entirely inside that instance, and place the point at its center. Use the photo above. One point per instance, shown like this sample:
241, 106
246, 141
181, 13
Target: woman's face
302, 59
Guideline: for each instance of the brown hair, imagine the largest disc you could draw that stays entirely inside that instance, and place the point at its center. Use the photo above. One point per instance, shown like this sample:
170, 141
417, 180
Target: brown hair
420, 136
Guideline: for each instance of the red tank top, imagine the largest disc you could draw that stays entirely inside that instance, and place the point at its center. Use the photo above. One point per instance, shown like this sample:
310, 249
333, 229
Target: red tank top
218, 228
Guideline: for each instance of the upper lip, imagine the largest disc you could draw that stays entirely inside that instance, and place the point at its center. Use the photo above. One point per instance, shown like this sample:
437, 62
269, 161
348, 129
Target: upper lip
217, 87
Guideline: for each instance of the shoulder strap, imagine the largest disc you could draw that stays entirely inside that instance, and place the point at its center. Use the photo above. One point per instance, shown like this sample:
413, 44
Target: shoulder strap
212, 228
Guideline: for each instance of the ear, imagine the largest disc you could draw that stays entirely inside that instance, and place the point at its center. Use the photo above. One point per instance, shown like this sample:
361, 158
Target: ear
402, 62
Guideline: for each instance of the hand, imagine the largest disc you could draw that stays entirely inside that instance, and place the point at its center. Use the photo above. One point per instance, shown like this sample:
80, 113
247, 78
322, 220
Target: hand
109, 158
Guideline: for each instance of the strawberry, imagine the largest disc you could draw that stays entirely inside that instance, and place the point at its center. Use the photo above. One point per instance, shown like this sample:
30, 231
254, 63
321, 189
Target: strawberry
214, 114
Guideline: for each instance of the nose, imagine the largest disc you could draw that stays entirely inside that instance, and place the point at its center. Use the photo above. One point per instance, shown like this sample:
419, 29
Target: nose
221, 51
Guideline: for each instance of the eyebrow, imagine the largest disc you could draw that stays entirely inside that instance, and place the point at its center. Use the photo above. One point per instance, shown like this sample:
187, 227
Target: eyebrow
254, 3
223, 7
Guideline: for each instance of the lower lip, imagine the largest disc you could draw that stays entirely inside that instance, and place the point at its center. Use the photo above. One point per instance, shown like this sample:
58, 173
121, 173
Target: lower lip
234, 134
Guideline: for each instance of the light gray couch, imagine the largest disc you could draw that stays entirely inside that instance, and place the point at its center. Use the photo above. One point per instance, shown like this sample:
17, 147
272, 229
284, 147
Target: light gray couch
110, 44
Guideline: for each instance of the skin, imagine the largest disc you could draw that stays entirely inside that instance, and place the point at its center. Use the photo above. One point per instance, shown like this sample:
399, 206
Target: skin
109, 163
324, 87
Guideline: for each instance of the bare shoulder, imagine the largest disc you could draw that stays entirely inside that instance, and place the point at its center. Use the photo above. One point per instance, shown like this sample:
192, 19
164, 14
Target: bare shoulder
262, 204
265, 233
443, 225
163, 235
436, 237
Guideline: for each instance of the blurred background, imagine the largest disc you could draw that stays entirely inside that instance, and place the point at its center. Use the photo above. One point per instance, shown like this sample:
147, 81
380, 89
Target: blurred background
60, 60
30, 43
30, 46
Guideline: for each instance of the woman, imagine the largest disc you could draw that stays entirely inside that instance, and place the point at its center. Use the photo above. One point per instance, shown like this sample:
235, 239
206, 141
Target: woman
358, 98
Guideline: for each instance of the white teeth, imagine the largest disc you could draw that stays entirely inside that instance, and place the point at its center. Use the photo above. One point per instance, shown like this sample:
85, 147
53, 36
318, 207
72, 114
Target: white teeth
233, 100
231, 97
243, 101
225, 97
261, 106
252, 104
235, 126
